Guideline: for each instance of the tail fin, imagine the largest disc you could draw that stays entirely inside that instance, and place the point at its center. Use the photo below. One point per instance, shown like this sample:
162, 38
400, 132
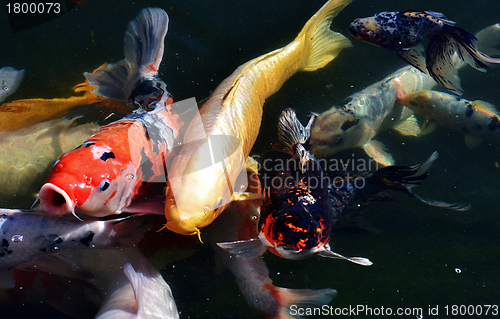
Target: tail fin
143, 46
143, 43
293, 134
405, 178
152, 293
439, 57
325, 44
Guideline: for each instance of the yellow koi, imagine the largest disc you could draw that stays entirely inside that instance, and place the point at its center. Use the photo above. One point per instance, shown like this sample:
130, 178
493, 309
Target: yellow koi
198, 192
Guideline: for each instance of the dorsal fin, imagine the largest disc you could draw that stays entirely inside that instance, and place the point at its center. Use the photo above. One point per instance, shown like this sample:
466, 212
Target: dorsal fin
486, 107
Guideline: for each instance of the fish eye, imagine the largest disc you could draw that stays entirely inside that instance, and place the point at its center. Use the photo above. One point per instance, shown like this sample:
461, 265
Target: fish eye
337, 140
104, 185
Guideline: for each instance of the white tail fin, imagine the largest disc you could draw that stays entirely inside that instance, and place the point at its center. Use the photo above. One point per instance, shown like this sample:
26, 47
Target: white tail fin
143, 46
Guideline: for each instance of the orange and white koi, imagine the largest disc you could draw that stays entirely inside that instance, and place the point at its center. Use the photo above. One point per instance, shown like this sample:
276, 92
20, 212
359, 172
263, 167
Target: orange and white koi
198, 192
95, 263
477, 120
102, 176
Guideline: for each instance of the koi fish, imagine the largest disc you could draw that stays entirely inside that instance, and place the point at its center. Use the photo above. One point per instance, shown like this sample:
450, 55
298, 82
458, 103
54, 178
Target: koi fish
27, 234
240, 221
403, 33
199, 191
299, 222
477, 120
356, 121
363, 115
349, 192
10, 79
146, 295
117, 282
104, 174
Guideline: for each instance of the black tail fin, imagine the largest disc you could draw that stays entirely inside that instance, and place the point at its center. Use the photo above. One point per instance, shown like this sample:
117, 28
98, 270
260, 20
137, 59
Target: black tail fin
439, 56
405, 178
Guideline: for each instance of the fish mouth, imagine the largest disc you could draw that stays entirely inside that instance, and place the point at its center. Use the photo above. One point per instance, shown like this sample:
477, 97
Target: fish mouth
55, 200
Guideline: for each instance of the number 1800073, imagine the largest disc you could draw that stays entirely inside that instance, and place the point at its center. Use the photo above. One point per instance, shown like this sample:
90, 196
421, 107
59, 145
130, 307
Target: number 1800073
33, 7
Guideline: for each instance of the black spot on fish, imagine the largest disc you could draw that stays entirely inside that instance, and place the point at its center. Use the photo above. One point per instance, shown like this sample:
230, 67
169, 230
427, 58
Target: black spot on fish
344, 103
477, 127
43, 249
2, 254
58, 240
5, 243
469, 110
494, 123
87, 238
146, 166
348, 124
107, 155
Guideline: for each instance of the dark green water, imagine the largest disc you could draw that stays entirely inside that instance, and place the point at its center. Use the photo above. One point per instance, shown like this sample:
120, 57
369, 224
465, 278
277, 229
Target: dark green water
426, 256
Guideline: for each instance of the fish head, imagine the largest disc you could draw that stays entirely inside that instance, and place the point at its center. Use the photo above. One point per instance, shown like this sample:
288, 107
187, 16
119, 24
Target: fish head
92, 180
292, 235
334, 131
299, 222
366, 30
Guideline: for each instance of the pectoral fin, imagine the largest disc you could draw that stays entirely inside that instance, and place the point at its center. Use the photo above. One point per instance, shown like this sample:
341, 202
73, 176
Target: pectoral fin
252, 165
428, 127
472, 142
251, 248
376, 150
414, 56
408, 127
327, 252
